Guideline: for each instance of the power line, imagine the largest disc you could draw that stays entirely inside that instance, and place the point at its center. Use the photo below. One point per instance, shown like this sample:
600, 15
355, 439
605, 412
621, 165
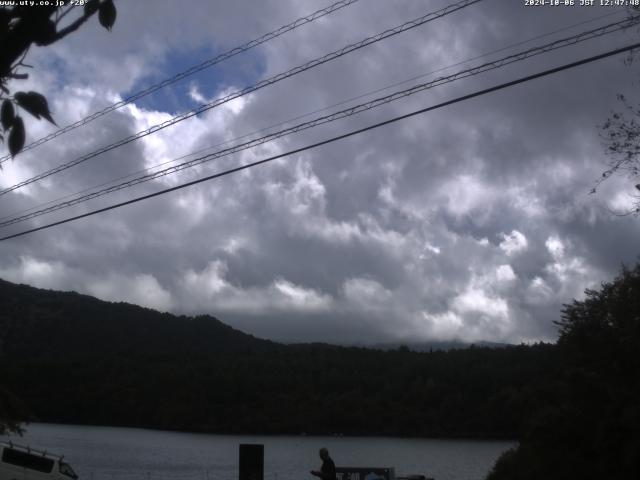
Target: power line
239, 93
298, 117
336, 138
572, 40
190, 71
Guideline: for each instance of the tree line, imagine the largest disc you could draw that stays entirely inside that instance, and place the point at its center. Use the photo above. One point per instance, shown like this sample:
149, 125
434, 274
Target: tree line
75, 359
574, 406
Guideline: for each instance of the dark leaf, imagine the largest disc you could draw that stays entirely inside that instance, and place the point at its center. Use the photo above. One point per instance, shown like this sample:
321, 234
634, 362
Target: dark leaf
16, 137
35, 104
44, 32
7, 115
91, 7
107, 14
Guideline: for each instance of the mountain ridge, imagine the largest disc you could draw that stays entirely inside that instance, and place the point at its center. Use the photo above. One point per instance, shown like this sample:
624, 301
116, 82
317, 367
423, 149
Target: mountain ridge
75, 359
43, 322
45, 299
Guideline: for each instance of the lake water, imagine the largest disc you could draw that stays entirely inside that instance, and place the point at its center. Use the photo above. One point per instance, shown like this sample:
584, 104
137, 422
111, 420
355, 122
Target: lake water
106, 453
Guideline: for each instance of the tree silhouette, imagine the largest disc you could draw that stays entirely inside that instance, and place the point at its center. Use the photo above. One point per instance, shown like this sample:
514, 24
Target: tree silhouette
12, 413
621, 136
621, 133
587, 422
21, 27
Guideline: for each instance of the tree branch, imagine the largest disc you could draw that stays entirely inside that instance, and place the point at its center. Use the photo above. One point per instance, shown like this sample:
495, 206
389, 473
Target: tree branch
24, 55
60, 34
64, 14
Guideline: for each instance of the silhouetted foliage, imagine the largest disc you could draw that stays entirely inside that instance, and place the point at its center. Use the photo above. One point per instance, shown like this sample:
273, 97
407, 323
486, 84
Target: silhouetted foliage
587, 422
12, 413
621, 135
22, 26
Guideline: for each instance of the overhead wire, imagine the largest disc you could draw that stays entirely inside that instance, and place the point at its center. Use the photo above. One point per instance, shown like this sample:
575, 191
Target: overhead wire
190, 71
239, 93
469, 96
510, 59
323, 109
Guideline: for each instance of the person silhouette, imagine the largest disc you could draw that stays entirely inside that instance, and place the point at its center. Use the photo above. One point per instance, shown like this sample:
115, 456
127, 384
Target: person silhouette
328, 468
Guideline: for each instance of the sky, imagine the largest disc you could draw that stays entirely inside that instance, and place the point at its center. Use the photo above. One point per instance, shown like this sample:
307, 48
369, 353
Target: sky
472, 222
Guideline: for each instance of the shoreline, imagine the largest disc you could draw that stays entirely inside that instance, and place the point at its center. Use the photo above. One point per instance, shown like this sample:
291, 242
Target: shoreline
478, 438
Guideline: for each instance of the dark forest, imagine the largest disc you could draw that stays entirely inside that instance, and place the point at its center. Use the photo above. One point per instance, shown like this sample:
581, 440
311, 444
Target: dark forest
572, 405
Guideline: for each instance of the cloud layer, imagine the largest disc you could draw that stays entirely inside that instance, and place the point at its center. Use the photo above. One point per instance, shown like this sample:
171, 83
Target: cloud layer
470, 222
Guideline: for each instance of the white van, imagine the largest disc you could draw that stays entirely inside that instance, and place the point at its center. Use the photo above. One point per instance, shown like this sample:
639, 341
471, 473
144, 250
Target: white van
23, 463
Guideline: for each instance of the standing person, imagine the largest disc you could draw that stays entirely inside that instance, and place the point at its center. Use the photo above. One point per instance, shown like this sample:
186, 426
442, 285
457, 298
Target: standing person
328, 469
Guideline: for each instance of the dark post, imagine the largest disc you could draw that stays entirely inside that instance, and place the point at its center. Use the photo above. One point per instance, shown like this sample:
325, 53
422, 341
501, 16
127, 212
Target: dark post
251, 462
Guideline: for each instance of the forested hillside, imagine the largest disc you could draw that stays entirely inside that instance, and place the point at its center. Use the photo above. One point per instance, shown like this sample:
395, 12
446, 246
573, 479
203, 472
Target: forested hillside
76, 359
574, 406
38, 323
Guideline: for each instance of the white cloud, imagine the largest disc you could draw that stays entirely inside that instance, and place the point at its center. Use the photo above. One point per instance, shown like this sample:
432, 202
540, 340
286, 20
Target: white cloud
467, 194
505, 273
142, 289
36, 272
538, 292
445, 325
367, 294
555, 247
513, 242
300, 298
212, 290
477, 301
432, 248
400, 232
568, 270
194, 93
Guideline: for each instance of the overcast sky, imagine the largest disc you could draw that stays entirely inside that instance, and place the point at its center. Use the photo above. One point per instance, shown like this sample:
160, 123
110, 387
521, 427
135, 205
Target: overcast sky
471, 222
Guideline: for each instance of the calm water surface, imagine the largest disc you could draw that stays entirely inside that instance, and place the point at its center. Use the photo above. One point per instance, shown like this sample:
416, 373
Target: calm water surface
106, 453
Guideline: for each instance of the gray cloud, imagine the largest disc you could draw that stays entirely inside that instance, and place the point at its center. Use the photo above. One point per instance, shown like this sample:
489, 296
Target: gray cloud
470, 222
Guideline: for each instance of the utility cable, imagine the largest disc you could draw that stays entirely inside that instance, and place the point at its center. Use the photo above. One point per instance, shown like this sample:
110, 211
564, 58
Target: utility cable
583, 36
299, 117
239, 93
190, 71
335, 139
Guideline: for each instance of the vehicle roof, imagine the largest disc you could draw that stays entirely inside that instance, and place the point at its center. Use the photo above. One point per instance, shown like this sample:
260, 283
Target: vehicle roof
33, 451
